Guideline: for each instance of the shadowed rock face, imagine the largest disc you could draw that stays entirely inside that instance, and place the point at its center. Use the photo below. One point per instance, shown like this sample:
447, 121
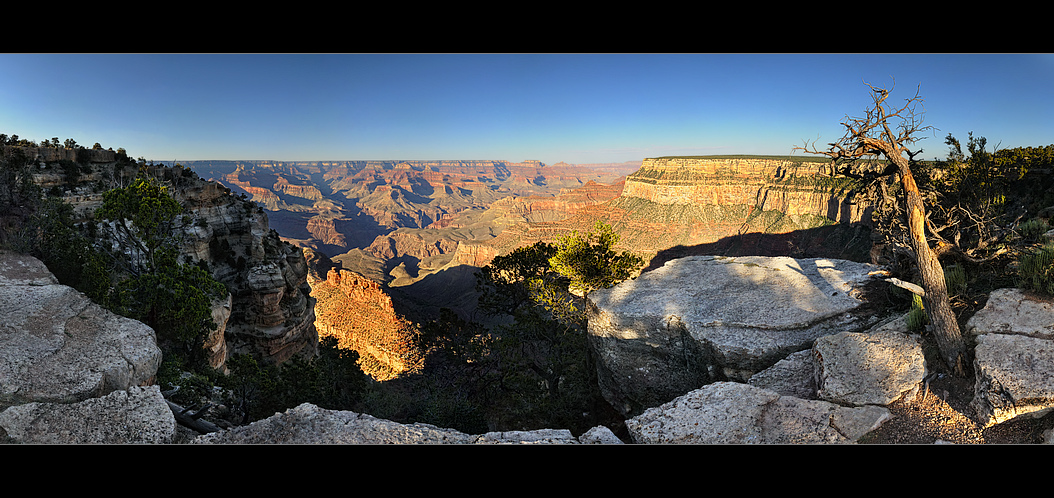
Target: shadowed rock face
271, 311
702, 319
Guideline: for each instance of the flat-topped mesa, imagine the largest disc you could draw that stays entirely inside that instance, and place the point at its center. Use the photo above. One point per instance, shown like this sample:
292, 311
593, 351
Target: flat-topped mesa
792, 187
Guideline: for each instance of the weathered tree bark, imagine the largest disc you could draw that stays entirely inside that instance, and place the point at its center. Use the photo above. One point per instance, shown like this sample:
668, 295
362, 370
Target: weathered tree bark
192, 420
945, 325
871, 136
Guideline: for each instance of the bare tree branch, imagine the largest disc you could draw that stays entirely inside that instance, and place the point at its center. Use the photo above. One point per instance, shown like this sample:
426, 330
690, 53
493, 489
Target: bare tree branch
873, 136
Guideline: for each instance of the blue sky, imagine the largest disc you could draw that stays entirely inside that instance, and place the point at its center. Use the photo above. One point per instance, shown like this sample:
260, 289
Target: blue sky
576, 108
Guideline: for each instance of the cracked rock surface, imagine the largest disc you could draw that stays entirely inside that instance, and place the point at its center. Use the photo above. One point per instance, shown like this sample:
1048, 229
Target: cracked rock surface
735, 413
58, 346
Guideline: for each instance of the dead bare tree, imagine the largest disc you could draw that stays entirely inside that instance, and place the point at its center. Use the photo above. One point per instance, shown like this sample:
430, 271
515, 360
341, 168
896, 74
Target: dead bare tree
871, 136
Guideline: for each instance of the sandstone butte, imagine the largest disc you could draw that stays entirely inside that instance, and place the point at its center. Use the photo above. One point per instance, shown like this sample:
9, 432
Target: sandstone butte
362, 317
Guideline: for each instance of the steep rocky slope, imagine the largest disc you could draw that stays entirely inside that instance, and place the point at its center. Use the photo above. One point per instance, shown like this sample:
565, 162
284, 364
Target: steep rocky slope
272, 313
269, 312
362, 317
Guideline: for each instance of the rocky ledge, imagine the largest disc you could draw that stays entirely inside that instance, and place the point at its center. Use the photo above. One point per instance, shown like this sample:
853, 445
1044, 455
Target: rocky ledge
71, 371
702, 319
1014, 356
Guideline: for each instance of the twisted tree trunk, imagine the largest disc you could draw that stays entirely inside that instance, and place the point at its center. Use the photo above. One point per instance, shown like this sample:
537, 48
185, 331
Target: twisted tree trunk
871, 136
945, 325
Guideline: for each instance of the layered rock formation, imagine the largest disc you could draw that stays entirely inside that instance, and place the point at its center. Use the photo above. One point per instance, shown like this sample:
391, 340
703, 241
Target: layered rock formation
56, 154
793, 188
337, 207
271, 312
671, 202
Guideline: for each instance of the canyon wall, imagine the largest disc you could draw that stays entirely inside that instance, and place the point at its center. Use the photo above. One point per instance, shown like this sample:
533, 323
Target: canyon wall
789, 187
672, 202
55, 154
272, 313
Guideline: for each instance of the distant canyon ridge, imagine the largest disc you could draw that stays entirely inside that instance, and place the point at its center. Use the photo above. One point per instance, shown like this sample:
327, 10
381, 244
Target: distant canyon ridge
391, 219
420, 229
396, 222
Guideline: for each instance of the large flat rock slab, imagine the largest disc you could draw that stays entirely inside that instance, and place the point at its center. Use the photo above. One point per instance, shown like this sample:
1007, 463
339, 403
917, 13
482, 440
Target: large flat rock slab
1015, 311
309, 424
703, 319
872, 368
57, 346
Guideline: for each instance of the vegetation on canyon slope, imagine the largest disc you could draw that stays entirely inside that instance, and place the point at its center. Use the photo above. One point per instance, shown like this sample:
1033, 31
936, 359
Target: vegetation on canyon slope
531, 370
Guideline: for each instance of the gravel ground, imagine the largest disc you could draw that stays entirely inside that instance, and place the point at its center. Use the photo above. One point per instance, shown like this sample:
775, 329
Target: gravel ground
943, 415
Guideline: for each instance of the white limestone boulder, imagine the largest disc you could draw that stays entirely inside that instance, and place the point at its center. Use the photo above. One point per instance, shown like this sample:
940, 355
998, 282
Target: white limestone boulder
1013, 357
875, 368
736, 413
309, 424
138, 415
58, 346
703, 319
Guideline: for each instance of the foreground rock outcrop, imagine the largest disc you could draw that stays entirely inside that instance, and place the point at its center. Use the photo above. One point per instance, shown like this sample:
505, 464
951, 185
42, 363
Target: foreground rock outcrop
736, 413
309, 424
703, 319
73, 374
58, 346
1014, 356
71, 371
138, 415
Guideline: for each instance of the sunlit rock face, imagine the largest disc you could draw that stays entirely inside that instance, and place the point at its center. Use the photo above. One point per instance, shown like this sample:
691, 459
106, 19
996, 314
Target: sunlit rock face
1014, 356
702, 319
362, 317
793, 188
